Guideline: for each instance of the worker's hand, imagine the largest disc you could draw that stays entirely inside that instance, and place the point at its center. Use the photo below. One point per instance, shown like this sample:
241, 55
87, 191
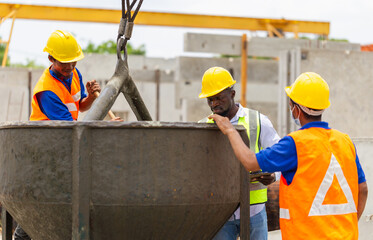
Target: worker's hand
267, 179
223, 123
117, 119
92, 87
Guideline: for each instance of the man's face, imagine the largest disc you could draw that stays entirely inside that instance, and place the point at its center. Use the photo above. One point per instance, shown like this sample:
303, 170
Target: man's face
65, 69
222, 102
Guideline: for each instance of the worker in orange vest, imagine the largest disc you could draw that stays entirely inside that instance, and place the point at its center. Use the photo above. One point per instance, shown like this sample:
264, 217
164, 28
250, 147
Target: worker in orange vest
59, 94
323, 189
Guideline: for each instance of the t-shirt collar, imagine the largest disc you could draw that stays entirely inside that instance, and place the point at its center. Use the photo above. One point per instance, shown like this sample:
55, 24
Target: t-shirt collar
240, 113
319, 124
55, 76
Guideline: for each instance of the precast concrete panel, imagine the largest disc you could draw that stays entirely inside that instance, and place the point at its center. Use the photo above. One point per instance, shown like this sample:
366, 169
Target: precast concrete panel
364, 148
15, 97
349, 75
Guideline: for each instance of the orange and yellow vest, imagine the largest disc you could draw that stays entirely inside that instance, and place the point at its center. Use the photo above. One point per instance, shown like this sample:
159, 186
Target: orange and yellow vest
321, 201
48, 83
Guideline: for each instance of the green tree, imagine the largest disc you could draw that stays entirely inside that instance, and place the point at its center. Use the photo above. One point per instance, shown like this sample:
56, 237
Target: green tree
2, 51
30, 63
111, 47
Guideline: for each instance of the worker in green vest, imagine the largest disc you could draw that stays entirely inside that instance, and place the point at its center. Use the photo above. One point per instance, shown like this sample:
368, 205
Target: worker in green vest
217, 87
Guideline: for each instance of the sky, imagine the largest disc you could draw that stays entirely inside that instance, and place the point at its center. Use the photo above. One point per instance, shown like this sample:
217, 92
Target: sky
349, 19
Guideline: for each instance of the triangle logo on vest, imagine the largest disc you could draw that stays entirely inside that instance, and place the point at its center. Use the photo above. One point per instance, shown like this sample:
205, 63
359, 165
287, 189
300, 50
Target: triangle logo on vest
334, 176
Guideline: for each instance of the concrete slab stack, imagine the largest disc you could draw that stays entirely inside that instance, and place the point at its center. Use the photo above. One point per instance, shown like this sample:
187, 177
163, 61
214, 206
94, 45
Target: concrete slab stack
259, 47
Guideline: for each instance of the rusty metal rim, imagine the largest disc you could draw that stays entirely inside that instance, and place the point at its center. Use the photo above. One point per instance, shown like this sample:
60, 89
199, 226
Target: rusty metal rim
109, 124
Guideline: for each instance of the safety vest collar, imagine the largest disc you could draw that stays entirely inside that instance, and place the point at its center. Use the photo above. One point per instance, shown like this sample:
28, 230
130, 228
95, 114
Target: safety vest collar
66, 82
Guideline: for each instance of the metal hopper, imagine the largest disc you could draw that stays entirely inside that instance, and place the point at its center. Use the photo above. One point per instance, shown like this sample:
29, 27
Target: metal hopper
108, 180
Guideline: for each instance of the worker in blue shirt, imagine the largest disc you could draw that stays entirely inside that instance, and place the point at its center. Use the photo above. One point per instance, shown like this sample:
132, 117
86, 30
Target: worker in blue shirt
323, 189
59, 94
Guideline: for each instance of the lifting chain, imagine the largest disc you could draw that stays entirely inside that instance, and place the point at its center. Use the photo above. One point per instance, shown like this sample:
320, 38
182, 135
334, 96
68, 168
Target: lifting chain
126, 25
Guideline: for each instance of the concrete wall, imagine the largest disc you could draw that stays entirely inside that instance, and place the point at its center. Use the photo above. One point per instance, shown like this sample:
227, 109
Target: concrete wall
15, 94
15, 85
349, 75
364, 148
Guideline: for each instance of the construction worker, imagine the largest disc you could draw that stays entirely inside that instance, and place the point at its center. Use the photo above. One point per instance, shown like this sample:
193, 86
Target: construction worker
217, 87
323, 190
59, 94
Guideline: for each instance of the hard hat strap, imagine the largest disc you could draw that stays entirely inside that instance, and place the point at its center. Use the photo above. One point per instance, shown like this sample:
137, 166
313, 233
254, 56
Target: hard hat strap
311, 112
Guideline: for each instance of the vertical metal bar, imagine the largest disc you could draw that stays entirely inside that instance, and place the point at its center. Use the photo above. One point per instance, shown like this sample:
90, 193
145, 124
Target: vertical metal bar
81, 179
157, 93
282, 113
294, 71
7, 44
243, 69
8, 106
7, 16
269, 30
6, 224
30, 90
244, 196
296, 31
244, 205
20, 111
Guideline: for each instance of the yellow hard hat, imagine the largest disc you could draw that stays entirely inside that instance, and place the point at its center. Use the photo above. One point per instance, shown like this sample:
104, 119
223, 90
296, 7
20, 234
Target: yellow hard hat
310, 90
215, 80
63, 47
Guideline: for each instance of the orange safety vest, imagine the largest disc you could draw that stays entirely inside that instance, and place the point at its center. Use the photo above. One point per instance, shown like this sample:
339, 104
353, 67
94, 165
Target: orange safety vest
48, 83
321, 201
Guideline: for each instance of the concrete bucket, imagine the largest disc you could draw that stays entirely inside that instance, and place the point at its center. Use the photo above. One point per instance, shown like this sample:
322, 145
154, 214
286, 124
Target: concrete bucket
110, 180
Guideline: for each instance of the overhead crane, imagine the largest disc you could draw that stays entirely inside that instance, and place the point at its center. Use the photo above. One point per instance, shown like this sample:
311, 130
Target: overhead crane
274, 27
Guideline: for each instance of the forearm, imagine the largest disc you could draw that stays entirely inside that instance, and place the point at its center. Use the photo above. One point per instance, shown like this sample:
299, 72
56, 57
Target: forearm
242, 152
86, 103
362, 198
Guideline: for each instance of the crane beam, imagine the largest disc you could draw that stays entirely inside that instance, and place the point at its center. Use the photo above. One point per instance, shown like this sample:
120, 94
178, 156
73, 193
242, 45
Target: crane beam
39, 12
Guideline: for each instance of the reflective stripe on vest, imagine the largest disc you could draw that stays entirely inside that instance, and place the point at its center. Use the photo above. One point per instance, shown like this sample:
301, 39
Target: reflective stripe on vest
321, 201
48, 83
251, 121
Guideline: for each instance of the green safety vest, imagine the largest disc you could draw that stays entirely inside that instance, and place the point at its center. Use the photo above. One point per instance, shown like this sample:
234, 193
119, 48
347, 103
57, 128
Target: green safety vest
258, 191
